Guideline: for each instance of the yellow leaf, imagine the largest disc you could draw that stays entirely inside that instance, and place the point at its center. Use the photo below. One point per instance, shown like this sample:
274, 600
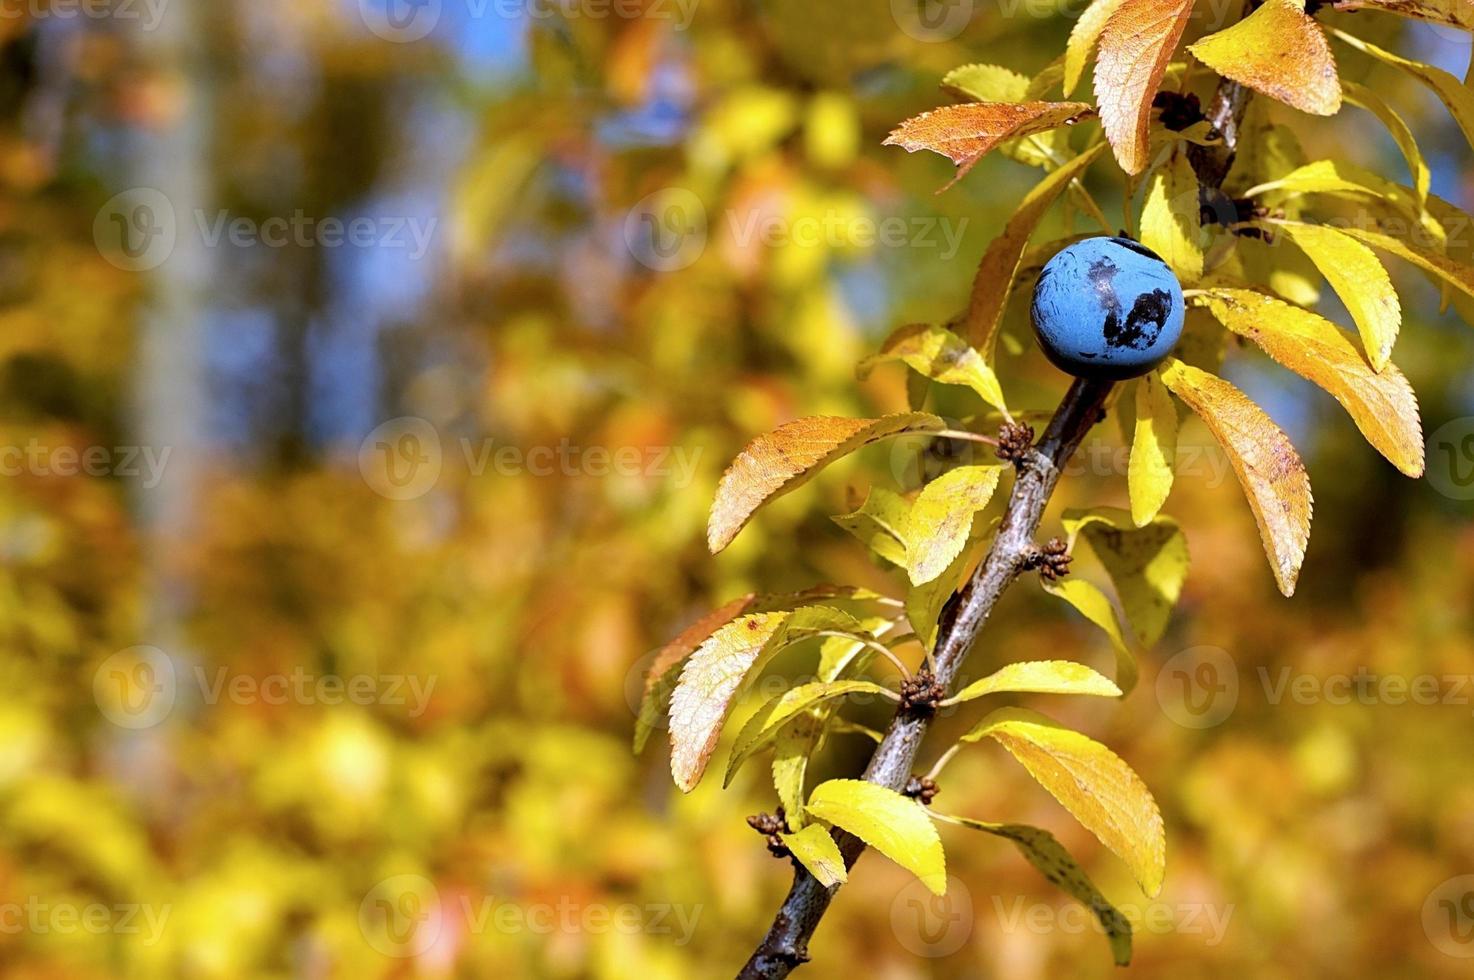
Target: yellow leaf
1147, 564
1359, 278
1359, 95
1153, 449
765, 723
1092, 782
1138, 40
1171, 222
815, 849
1450, 13
1458, 97
719, 669
660, 680
1454, 273
1039, 677
880, 522
894, 825
1272, 475
940, 521
786, 458
1382, 405
1040, 848
1280, 51
1343, 179
941, 355
965, 133
1092, 603
999, 265
1083, 37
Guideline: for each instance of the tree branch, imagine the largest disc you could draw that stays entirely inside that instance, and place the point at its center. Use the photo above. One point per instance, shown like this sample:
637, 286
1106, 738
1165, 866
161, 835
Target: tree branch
786, 944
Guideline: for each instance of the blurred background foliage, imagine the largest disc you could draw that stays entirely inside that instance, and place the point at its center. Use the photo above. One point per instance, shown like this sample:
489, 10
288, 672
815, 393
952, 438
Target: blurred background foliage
526, 605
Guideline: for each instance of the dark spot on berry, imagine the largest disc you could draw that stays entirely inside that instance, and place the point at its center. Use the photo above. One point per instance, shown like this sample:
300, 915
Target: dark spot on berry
1143, 324
1133, 245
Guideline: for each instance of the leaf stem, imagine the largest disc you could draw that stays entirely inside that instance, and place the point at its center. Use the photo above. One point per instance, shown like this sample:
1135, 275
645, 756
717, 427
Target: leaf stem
879, 648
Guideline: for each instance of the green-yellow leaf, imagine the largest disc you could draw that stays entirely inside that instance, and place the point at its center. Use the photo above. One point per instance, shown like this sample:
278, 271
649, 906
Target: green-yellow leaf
894, 825
1268, 468
789, 456
941, 355
1092, 782
1360, 279
1147, 564
1454, 94
1171, 222
999, 265
719, 669
815, 849
1044, 852
1280, 51
764, 725
1083, 37
924, 602
1040, 677
792, 750
987, 83
940, 520
880, 522
1092, 603
1153, 449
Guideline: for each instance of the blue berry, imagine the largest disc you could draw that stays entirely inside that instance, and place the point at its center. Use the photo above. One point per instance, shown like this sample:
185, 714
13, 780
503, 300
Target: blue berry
1107, 309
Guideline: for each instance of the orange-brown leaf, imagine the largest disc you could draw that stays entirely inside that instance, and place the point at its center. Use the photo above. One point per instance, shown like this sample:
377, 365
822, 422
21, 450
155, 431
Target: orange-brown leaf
1281, 51
1135, 47
1271, 472
964, 133
786, 458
